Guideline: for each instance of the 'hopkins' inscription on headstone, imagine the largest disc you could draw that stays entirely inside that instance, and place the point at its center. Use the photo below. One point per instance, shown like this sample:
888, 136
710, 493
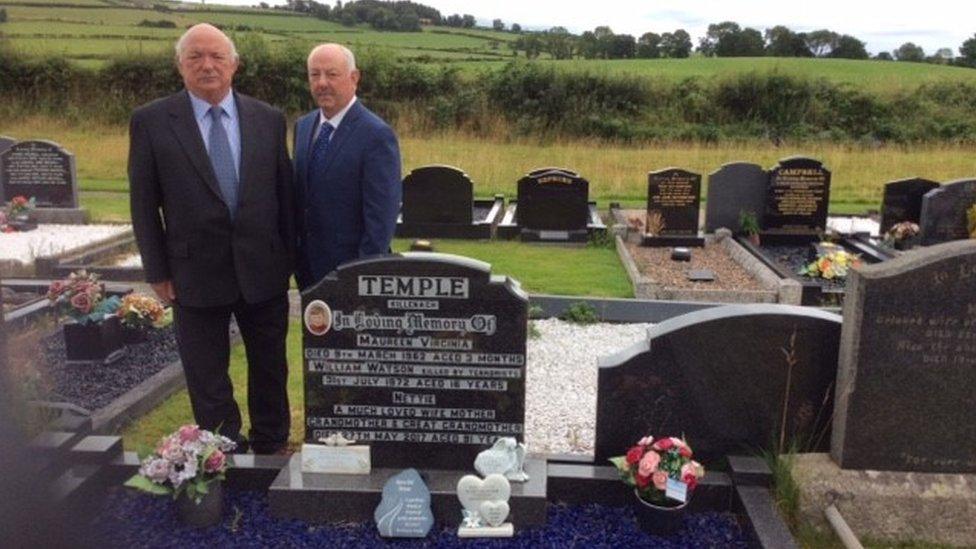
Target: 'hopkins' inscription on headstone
553, 200
902, 201
906, 384
673, 200
943, 216
797, 197
421, 356
437, 194
41, 169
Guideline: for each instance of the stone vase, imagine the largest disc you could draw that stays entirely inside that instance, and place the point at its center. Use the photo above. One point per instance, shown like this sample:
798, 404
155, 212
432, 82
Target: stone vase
206, 513
656, 519
93, 342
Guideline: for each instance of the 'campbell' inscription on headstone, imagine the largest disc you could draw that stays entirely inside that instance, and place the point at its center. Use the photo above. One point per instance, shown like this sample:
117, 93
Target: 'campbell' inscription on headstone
421, 356
39, 169
673, 201
797, 197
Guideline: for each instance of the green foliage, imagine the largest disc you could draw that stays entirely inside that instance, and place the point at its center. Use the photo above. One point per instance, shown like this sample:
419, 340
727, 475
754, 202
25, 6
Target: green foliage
580, 312
602, 239
971, 221
158, 24
536, 311
533, 332
748, 223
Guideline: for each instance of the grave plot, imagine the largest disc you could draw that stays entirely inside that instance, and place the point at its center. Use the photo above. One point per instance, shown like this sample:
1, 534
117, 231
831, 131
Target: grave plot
553, 206
35, 253
117, 260
438, 202
44, 171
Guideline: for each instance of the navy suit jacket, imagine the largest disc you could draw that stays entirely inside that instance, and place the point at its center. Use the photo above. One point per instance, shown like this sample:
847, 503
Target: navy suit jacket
351, 211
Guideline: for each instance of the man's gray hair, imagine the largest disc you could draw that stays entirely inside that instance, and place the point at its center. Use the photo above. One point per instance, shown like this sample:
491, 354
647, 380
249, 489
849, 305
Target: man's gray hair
350, 57
181, 43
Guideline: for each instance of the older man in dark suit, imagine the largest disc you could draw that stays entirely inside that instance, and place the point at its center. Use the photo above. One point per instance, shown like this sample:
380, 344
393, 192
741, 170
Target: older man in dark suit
210, 186
347, 171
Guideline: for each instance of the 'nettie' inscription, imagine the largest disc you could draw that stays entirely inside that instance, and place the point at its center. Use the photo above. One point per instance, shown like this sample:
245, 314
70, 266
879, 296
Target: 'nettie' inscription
424, 359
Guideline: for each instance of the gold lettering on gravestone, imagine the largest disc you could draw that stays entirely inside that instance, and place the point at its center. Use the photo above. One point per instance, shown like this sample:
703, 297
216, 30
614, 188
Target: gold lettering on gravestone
676, 191
35, 164
555, 179
799, 191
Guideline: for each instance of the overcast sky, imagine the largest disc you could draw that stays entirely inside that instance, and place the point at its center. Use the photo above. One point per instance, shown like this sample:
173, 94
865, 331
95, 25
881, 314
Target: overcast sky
883, 24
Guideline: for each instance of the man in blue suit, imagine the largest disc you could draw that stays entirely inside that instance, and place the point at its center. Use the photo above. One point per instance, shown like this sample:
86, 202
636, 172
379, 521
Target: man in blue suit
347, 171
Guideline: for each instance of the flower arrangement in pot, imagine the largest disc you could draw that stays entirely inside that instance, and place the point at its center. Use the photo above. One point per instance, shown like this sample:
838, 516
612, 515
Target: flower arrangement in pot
141, 313
833, 262
93, 332
749, 225
663, 475
902, 236
190, 465
19, 214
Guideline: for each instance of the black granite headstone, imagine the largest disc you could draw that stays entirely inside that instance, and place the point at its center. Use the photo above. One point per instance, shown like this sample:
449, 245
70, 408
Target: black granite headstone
553, 200
673, 200
797, 197
943, 216
39, 169
437, 194
902, 201
420, 356
719, 377
734, 188
906, 385
6, 142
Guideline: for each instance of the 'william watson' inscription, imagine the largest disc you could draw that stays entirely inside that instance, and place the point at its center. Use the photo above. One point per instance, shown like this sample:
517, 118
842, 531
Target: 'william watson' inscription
424, 359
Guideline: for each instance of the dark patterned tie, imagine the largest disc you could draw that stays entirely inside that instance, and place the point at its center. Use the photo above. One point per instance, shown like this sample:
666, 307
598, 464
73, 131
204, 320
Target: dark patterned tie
319, 147
223, 160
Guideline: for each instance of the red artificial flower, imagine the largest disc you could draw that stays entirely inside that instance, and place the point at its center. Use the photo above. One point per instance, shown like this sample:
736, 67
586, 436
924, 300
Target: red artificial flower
684, 451
663, 444
634, 455
691, 481
642, 481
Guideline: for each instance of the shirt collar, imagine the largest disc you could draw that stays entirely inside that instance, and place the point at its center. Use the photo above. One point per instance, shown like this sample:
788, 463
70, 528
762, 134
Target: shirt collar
201, 108
337, 119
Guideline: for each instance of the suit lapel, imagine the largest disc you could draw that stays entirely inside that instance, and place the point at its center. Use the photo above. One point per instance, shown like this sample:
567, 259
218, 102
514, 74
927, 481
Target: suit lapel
303, 147
343, 133
249, 139
187, 132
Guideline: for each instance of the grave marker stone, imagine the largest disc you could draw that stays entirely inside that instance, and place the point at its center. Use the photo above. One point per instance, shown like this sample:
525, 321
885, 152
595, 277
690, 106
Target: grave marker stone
718, 376
734, 188
673, 202
906, 385
437, 194
41, 169
404, 510
943, 216
902, 201
797, 197
421, 356
553, 200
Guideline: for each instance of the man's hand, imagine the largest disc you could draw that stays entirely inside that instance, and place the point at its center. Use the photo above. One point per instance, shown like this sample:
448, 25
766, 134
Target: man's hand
165, 291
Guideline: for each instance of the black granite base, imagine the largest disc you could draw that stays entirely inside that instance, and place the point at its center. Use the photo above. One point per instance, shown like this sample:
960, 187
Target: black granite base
327, 498
486, 214
672, 241
509, 228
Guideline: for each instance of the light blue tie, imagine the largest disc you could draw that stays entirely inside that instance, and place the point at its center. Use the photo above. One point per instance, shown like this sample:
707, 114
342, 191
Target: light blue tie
222, 160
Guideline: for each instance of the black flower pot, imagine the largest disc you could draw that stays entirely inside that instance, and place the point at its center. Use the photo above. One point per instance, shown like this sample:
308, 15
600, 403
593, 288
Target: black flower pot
206, 513
94, 342
23, 223
132, 335
658, 520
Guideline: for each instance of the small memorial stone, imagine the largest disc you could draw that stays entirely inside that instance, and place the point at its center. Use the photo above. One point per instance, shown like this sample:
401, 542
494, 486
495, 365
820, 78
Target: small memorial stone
673, 201
902, 201
505, 457
404, 510
39, 169
943, 216
701, 275
485, 506
797, 197
680, 253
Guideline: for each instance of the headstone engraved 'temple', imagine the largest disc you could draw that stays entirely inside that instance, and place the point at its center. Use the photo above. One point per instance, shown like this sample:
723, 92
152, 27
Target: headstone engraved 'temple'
673, 201
902, 201
943, 216
437, 194
39, 169
553, 200
404, 510
906, 385
421, 356
734, 188
797, 197
719, 376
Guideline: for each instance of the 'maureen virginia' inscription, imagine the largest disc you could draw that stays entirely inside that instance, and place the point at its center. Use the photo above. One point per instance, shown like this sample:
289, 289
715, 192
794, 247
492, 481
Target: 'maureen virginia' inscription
423, 350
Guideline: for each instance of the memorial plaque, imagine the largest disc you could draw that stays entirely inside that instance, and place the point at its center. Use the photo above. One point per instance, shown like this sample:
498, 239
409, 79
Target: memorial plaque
421, 356
437, 194
902, 201
906, 385
404, 509
943, 216
673, 201
553, 200
732, 189
797, 197
39, 169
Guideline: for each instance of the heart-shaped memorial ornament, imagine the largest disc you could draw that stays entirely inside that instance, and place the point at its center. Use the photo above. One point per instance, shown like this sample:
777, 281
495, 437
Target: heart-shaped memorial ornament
494, 512
472, 491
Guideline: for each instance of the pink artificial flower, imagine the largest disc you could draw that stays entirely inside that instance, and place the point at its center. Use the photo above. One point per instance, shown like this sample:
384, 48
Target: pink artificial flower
660, 480
156, 470
646, 441
215, 463
663, 444
189, 433
649, 463
689, 469
172, 451
82, 302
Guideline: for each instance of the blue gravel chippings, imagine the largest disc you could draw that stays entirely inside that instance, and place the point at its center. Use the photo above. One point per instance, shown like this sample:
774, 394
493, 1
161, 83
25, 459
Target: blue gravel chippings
131, 519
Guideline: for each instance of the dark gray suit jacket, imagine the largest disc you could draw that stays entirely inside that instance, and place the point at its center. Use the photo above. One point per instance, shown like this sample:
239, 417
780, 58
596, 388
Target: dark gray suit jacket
182, 225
